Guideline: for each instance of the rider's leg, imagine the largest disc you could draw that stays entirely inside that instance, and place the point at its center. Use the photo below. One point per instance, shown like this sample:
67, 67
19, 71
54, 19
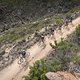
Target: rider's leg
20, 60
67, 26
72, 24
24, 59
52, 35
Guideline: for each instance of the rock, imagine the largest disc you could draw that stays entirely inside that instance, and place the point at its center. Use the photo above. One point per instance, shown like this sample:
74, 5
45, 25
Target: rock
60, 76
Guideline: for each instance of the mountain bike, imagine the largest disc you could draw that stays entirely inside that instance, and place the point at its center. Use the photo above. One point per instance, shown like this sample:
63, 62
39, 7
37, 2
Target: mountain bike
23, 60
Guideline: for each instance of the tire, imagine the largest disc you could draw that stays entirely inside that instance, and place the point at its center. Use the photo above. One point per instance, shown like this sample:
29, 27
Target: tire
20, 61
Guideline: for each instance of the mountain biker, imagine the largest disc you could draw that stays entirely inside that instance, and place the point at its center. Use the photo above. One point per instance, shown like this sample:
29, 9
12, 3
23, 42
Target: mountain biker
36, 34
52, 31
46, 30
70, 20
42, 38
22, 54
66, 22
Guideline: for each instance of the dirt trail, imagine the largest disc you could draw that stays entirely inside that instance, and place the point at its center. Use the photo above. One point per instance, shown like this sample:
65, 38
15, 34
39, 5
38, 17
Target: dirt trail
14, 72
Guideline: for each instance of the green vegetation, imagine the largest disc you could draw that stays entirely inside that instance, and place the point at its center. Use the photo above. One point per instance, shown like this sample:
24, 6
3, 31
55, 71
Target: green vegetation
75, 59
14, 34
78, 31
78, 34
38, 71
19, 32
59, 59
62, 53
55, 62
12, 3
17, 2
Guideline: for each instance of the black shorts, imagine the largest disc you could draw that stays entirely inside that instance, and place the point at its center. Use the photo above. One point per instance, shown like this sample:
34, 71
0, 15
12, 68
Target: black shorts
24, 56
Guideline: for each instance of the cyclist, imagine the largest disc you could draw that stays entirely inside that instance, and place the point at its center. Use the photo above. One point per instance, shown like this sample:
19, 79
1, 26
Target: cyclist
70, 20
42, 38
52, 31
66, 22
22, 55
60, 29
36, 35
46, 30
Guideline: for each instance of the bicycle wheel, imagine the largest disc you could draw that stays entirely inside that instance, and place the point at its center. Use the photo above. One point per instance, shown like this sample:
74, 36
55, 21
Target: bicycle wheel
20, 61
28, 55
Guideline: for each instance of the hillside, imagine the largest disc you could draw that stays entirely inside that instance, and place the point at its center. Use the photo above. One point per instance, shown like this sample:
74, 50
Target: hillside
37, 52
17, 17
49, 30
42, 13
14, 13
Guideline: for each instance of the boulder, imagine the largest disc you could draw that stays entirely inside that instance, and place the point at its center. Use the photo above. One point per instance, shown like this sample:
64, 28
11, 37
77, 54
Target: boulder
60, 76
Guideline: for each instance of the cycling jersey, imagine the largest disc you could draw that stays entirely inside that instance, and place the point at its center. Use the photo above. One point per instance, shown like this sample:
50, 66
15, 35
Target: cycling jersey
23, 54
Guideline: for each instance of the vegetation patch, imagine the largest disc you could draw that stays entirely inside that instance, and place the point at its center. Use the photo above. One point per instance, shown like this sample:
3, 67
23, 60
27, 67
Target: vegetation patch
14, 34
59, 59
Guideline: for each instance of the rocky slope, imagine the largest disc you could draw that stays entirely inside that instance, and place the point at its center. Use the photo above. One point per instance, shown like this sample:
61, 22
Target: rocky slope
15, 13
8, 52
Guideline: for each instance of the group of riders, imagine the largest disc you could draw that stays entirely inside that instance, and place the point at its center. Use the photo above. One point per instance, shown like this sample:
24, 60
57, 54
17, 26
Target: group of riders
49, 31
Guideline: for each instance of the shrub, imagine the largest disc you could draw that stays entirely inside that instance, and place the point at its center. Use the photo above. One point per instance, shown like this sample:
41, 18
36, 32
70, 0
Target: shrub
75, 58
37, 72
54, 63
78, 34
78, 31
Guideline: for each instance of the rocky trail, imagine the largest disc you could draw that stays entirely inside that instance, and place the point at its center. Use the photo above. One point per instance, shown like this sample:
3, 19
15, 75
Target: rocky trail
15, 72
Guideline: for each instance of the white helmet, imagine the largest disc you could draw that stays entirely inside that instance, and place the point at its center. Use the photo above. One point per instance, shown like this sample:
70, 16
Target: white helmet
23, 50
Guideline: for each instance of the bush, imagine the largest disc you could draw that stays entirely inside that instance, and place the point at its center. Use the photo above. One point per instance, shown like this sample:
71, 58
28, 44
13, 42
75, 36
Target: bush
37, 72
76, 59
78, 31
78, 34
41, 67
54, 63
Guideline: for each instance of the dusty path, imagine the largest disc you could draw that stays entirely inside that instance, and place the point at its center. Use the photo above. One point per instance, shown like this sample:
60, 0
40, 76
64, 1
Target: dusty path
14, 72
